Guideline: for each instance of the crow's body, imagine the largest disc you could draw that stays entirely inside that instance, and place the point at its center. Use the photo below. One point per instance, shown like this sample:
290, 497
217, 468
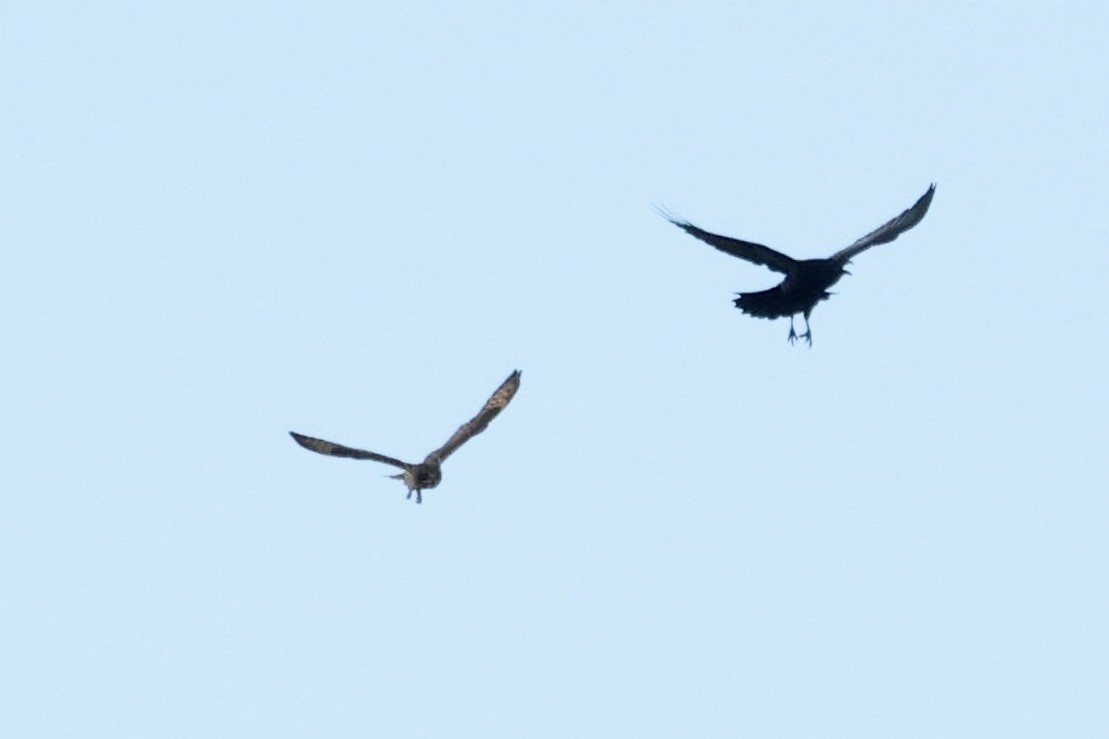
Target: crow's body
806, 281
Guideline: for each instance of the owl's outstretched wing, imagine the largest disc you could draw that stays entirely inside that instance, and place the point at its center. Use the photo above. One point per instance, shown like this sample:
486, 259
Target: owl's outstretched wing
332, 449
890, 230
496, 403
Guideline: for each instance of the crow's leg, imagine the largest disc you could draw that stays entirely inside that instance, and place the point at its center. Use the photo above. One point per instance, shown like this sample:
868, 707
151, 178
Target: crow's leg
807, 336
419, 498
792, 334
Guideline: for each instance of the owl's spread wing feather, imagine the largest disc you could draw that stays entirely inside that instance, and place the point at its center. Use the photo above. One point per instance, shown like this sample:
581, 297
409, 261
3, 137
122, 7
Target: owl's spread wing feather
890, 230
332, 449
496, 403
750, 251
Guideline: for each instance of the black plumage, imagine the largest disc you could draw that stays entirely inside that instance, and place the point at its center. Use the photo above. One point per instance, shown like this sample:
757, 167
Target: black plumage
807, 280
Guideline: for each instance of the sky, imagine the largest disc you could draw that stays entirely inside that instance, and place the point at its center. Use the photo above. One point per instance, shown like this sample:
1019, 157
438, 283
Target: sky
225, 221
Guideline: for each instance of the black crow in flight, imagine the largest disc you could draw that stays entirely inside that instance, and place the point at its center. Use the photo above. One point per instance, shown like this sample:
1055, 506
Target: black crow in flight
807, 280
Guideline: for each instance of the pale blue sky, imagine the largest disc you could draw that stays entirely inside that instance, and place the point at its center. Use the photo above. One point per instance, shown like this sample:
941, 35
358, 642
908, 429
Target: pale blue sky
222, 221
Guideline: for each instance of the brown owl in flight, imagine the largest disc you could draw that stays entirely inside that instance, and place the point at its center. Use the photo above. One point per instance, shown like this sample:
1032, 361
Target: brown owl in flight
426, 474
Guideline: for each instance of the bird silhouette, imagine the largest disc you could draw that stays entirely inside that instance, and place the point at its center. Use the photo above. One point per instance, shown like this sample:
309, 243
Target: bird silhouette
807, 280
426, 474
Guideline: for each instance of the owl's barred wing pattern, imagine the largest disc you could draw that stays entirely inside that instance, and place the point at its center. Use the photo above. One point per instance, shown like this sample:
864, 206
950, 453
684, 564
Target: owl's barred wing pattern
496, 403
750, 251
890, 230
338, 450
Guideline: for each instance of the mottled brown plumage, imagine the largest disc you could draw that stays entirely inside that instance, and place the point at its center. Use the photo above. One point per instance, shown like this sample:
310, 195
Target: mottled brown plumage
807, 280
426, 474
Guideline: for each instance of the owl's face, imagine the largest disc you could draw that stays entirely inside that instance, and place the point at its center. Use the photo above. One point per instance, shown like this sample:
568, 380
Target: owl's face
426, 476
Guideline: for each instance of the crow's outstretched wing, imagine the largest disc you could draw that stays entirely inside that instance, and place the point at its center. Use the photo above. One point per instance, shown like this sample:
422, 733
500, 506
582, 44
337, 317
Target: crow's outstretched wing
890, 230
756, 253
338, 450
496, 403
